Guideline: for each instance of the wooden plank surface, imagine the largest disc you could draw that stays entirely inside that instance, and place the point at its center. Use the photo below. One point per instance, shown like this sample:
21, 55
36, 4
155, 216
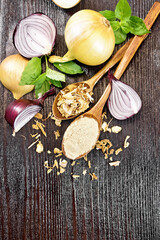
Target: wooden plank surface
124, 202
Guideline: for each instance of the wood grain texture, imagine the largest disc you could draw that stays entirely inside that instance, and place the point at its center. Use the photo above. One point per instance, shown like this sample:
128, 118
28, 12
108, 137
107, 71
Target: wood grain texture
125, 202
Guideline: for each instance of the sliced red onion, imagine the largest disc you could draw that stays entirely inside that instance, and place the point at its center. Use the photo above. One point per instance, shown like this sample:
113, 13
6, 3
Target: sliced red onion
35, 35
21, 111
123, 101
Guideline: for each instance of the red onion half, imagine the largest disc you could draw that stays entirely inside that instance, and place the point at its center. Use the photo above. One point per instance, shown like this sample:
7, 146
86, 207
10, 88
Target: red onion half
35, 35
21, 111
123, 101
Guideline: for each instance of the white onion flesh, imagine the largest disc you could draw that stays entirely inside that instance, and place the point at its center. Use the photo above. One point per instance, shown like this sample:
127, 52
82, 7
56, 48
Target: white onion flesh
25, 116
35, 35
123, 101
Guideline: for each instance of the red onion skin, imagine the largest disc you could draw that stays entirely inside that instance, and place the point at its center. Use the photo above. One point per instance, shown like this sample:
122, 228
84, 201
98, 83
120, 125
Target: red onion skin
111, 76
17, 106
38, 14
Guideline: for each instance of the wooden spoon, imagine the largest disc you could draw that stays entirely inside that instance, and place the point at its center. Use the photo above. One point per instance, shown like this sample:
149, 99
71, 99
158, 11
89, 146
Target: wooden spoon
92, 81
96, 111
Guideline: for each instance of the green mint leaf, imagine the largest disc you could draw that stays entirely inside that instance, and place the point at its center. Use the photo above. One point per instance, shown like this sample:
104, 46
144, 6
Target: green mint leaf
54, 75
69, 67
40, 80
137, 26
40, 90
110, 15
126, 28
56, 83
115, 25
120, 36
31, 71
123, 10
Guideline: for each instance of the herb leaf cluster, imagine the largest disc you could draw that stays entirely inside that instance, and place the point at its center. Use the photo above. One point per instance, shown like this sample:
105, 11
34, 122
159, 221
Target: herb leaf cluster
32, 75
122, 21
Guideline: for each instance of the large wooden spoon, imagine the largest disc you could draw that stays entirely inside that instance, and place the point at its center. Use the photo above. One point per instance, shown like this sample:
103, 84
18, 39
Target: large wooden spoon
92, 81
96, 111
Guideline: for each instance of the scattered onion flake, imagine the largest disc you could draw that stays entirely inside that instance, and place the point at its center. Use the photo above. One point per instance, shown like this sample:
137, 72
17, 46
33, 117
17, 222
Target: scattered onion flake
40, 126
73, 163
33, 135
116, 129
89, 164
57, 150
55, 164
33, 144
38, 116
35, 35
104, 145
39, 147
84, 172
115, 164
57, 122
61, 170
57, 134
111, 151
126, 144
49, 115
104, 115
118, 151
75, 176
93, 175
63, 163
105, 127
61, 167
123, 101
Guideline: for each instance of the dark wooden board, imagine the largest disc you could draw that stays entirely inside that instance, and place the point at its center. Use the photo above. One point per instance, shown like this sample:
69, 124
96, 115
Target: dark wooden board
124, 202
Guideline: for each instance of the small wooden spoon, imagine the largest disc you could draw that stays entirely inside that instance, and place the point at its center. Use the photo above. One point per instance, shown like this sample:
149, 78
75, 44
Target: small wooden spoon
92, 81
96, 111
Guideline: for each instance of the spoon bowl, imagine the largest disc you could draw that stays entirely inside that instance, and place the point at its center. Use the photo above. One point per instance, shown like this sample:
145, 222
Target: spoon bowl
88, 115
96, 111
57, 114
92, 81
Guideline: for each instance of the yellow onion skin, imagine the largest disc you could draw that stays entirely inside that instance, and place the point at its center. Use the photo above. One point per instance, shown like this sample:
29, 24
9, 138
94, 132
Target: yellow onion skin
89, 37
11, 70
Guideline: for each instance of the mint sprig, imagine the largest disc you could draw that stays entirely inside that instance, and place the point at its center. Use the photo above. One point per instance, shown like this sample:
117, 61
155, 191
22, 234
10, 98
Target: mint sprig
122, 21
69, 67
32, 75
31, 72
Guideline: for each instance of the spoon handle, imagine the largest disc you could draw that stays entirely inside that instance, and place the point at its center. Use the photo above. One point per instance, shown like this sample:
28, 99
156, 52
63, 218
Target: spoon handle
137, 40
115, 59
97, 109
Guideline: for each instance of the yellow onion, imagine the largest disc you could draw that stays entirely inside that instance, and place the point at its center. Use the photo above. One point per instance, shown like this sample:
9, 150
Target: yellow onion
89, 38
66, 3
11, 70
